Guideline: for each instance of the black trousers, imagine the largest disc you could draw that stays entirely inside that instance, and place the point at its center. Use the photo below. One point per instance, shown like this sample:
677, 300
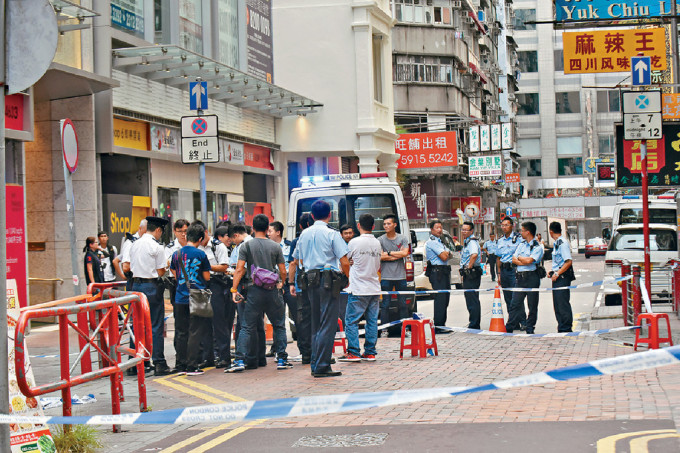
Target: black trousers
199, 328
324, 309
517, 314
224, 311
440, 280
491, 260
472, 299
561, 304
181, 341
304, 324
291, 302
508, 280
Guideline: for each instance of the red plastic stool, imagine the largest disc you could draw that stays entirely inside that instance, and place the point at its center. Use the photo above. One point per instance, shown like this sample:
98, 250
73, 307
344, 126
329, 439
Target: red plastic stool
419, 344
653, 340
340, 341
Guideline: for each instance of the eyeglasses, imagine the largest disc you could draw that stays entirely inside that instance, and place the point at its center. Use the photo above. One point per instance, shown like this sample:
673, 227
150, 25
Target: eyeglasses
180, 231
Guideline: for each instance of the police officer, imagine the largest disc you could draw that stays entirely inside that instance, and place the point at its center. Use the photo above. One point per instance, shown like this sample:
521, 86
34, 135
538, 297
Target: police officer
147, 264
124, 256
318, 251
490, 248
505, 249
439, 272
471, 271
528, 255
562, 274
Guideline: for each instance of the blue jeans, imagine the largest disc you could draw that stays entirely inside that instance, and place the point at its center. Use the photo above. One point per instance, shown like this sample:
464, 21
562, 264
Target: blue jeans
393, 285
356, 307
154, 295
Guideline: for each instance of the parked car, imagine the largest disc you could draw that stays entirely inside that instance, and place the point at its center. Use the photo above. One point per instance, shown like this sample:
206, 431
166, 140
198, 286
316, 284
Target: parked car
420, 261
596, 247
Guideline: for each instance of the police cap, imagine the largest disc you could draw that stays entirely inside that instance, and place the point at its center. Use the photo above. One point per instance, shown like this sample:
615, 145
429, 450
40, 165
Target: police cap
156, 222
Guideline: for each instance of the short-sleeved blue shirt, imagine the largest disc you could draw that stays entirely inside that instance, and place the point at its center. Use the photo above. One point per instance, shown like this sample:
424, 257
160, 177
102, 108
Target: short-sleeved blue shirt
433, 248
470, 247
506, 246
561, 253
525, 249
490, 247
195, 262
319, 247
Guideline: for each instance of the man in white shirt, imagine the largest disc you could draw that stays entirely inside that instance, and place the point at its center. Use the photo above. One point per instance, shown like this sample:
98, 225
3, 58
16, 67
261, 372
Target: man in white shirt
364, 286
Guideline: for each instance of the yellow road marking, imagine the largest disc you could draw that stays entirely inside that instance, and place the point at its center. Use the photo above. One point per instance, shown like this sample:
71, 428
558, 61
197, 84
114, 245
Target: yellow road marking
640, 444
608, 444
196, 438
183, 389
216, 442
207, 388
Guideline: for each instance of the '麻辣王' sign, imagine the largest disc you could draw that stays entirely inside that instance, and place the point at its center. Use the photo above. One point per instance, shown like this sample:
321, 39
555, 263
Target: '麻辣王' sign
611, 50
570, 10
663, 159
427, 150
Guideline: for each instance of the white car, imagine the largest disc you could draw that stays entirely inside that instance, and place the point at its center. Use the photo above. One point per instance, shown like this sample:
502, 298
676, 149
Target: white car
627, 244
420, 262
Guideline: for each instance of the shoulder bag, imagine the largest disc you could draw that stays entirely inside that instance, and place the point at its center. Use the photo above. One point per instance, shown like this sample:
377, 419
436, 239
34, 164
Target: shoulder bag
261, 277
199, 299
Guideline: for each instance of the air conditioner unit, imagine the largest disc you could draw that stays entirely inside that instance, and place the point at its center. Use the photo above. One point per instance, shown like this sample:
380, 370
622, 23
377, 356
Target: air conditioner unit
469, 20
456, 4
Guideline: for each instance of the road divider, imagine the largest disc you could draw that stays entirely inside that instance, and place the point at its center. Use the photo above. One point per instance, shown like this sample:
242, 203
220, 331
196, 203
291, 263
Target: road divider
330, 404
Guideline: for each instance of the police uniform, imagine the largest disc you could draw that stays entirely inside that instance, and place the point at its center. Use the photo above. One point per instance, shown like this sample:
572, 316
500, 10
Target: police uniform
472, 278
147, 256
440, 277
223, 307
318, 250
303, 316
562, 254
125, 257
527, 277
505, 249
490, 247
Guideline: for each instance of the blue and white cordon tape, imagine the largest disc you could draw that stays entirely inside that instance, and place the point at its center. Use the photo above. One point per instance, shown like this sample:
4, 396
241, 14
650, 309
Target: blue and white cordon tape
330, 404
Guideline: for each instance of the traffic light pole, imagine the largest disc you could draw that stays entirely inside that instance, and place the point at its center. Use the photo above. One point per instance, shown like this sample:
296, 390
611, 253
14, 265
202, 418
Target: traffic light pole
645, 216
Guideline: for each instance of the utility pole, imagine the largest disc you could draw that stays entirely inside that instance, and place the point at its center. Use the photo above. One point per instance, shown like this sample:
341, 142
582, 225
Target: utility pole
4, 371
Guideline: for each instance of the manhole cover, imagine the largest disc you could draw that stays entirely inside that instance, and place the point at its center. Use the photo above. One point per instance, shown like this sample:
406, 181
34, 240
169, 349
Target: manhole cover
342, 440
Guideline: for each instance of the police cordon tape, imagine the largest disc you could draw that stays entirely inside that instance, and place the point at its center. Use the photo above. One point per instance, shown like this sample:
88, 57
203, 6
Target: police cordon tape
483, 290
330, 404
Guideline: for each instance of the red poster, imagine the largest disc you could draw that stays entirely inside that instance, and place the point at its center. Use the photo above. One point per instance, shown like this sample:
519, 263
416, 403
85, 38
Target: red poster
471, 207
656, 155
511, 177
257, 156
14, 112
427, 150
16, 240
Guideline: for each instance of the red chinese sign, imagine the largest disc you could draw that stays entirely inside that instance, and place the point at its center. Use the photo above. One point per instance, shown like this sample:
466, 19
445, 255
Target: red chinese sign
14, 112
257, 156
511, 177
611, 50
656, 155
427, 150
16, 240
470, 207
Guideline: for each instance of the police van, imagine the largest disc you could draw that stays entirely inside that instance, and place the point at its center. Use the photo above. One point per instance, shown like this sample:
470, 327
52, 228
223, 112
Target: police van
351, 195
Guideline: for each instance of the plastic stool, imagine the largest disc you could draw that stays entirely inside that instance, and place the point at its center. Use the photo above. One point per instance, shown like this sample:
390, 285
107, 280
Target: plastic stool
418, 343
653, 340
340, 341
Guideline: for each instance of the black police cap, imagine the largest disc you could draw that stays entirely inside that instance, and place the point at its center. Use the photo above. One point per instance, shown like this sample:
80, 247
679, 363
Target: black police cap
158, 222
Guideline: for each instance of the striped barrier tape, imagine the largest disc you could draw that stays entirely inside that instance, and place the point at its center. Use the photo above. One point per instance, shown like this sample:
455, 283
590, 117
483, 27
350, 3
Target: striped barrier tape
331, 404
482, 290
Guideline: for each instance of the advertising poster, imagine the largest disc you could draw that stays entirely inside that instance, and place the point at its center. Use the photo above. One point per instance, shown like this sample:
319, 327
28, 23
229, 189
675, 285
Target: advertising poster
259, 39
16, 239
232, 152
164, 139
419, 196
427, 150
480, 167
257, 156
24, 437
128, 15
663, 159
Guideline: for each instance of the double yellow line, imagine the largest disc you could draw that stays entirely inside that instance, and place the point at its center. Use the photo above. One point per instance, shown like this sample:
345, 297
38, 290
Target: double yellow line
638, 445
213, 396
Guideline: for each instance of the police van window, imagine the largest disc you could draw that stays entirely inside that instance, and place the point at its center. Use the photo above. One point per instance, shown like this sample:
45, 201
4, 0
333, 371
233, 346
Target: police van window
656, 215
659, 240
378, 206
338, 214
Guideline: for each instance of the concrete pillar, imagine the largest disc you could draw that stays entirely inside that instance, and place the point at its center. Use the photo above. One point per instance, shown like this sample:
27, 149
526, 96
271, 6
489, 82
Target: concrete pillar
368, 160
388, 163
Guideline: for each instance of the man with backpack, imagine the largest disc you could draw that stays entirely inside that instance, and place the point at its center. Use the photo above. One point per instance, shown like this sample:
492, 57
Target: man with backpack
264, 258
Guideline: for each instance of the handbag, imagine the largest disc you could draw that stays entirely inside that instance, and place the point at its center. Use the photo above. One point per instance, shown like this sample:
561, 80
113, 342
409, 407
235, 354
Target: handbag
199, 299
264, 278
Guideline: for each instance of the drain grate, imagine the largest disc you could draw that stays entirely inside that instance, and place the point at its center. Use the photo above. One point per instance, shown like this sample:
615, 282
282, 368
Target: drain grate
342, 440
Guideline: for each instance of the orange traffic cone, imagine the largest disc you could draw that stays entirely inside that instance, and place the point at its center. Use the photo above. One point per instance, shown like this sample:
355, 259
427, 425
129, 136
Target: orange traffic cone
497, 320
268, 332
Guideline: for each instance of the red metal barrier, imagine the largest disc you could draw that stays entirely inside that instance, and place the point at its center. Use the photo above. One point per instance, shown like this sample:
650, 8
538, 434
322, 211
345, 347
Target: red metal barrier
625, 288
675, 265
637, 294
110, 348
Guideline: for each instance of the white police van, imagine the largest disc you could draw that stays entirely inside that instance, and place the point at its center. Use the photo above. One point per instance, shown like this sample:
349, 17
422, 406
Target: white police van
351, 195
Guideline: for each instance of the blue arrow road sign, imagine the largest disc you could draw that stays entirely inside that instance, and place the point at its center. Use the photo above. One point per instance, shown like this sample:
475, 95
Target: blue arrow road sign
198, 95
642, 70
508, 211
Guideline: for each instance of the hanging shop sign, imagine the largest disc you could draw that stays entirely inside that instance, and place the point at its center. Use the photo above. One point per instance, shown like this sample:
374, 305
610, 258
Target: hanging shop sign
131, 134
663, 159
232, 152
427, 150
568, 10
257, 156
485, 166
164, 139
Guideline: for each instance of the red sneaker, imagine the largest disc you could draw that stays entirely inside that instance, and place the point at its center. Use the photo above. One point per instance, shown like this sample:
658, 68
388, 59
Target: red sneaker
349, 358
368, 357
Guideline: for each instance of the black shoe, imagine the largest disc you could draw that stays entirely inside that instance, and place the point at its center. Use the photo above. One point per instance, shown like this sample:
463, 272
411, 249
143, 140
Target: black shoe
328, 372
251, 366
306, 360
333, 360
530, 331
223, 364
179, 368
162, 369
270, 353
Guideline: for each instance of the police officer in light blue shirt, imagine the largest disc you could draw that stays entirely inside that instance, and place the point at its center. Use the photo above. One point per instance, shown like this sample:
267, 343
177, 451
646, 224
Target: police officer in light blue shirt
562, 275
319, 251
439, 272
490, 247
471, 271
505, 249
529, 253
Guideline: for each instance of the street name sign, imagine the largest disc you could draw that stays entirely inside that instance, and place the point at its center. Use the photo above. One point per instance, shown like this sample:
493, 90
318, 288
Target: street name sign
642, 70
198, 95
199, 139
568, 10
642, 118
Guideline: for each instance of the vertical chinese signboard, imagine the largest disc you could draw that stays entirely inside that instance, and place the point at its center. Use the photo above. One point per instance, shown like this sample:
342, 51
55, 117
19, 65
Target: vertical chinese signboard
427, 150
663, 159
611, 50
16, 239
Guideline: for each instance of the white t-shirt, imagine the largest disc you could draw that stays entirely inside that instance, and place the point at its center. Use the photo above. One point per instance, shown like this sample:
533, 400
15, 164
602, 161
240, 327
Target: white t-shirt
364, 251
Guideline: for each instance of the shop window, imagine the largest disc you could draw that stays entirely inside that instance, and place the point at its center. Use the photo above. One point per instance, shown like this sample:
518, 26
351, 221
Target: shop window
527, 104
529, 167
570, 145
569, 102
528, 61
377, 68
608, 101
522, 16
569, 166
529, 147
607, 144
425, 69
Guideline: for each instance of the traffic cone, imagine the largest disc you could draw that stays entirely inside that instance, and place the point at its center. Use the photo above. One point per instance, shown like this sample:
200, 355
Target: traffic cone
268, 331
497, 320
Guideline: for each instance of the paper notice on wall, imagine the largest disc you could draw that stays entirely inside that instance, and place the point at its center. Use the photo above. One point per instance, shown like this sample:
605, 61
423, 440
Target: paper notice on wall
24, 437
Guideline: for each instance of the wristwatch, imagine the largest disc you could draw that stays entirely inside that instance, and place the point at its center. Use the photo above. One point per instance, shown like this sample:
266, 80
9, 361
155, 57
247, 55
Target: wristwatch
291, 283
234, 290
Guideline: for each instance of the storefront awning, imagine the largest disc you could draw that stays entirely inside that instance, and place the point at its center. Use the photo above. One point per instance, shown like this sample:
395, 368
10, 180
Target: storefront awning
479, 72
61, 81
478, 23
175, 66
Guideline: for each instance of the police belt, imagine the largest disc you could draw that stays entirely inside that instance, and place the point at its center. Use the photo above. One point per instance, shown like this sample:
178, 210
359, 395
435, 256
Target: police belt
509, 266
328, 279
525, 274
440, 267
145, 280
